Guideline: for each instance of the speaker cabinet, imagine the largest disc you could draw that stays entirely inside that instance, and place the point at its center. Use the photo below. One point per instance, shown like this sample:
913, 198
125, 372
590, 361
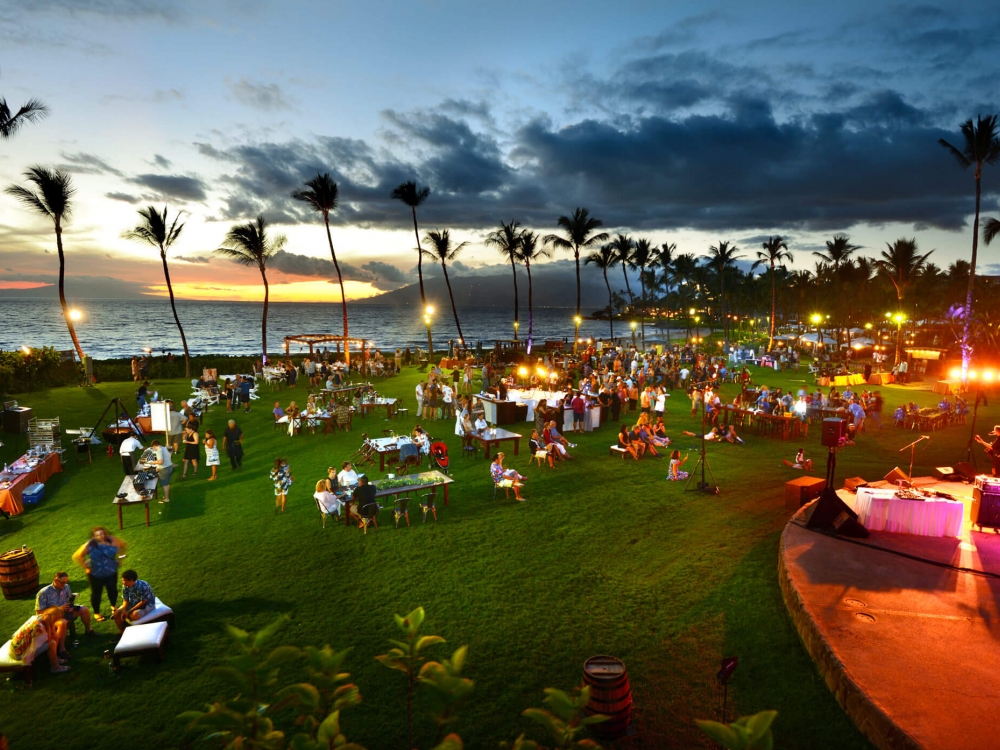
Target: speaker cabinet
966, 471
852, 484
896, 475
834, 431
15, 421
985, 511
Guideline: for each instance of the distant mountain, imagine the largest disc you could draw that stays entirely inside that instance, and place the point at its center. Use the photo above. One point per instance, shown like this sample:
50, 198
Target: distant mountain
555, 288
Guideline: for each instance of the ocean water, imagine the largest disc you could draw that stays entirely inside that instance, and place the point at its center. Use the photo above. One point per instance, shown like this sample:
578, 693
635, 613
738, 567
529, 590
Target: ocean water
122, 328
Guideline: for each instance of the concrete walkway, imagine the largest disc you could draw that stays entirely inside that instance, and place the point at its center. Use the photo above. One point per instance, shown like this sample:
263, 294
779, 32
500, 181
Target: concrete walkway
910, 649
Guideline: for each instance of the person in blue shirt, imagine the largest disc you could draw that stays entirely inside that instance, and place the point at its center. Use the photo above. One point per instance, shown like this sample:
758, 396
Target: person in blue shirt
138, 600
99, 558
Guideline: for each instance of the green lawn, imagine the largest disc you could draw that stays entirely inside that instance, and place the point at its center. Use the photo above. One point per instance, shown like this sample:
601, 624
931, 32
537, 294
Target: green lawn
606, 557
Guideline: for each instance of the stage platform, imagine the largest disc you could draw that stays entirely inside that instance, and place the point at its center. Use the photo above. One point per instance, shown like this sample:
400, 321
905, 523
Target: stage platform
910, 647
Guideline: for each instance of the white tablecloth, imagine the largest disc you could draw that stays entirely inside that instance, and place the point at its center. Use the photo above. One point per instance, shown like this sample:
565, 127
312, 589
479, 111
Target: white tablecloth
531, 398
882, 510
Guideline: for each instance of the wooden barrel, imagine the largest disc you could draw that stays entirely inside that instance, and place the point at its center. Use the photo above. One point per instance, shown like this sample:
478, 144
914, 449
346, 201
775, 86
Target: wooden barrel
610, 694
18, 574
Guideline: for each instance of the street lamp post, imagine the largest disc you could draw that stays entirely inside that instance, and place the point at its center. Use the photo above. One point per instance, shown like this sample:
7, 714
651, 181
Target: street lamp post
817, 320
899, 318
633, 332
27, 360
577, 320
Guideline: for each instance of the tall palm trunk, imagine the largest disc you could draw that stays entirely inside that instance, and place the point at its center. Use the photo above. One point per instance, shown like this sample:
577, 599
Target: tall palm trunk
420, 274
611, 306
177, 320
454, 309
513, 267
899, 328
527, 266
642, 310
62, 293
966, 346
340, 279
774, 292
263, 320
576, 319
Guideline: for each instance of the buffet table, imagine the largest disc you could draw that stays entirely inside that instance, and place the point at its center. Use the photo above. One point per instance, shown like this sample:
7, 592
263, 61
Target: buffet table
14, 484
532, 397
881, 378
591, 418
884, 510
842, 380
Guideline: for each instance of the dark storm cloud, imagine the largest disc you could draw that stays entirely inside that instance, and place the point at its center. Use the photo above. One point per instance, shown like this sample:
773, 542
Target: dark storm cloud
161, 161
378, 274
179, 187
193, 258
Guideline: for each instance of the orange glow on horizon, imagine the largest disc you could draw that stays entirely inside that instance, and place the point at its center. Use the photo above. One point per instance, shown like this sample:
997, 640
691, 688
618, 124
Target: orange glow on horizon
299, 291
23, 284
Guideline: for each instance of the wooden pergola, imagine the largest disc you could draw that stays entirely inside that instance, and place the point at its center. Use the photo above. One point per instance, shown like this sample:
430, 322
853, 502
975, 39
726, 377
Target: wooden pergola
313, 339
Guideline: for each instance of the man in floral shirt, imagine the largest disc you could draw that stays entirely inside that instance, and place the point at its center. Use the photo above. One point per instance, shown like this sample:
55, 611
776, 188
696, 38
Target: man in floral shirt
58, 594
138, 600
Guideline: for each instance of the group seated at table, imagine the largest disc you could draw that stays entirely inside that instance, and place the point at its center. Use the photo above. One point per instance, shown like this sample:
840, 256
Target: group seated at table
540, 449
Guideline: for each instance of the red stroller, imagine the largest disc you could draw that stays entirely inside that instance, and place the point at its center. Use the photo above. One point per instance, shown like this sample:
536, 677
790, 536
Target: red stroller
439, 452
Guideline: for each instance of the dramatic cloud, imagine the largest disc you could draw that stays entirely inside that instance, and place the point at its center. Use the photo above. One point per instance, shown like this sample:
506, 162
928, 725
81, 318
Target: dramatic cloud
179, 187
161, 161
193, 258
82, 163
124, 197
267, 97
378, 274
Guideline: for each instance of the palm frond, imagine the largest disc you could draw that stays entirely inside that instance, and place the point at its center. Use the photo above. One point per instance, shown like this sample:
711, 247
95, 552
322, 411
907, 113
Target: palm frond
28, 198
31, 111
410, 194
961, 158
991, 228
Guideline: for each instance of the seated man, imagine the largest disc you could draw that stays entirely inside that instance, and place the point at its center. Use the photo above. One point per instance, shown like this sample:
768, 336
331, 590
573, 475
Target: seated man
58, 594
481, 425
364, 499
137, 600
551, 436
279, 414
347, 477
647, 436
540, 449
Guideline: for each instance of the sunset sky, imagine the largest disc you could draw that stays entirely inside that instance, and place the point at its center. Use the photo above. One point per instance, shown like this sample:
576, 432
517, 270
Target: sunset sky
683, 122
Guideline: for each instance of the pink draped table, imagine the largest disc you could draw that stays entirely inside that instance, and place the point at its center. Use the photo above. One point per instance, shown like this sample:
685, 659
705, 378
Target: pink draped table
883, 510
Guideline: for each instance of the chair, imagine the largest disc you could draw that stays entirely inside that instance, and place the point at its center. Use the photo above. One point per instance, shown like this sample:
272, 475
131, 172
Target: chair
400, 509
539, 456
368, 516
160, 612
470, 447
323, 513
500, 486
27, 669
429, 505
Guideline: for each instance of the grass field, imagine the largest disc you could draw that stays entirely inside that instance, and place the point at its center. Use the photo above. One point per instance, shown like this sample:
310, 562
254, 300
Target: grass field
606, 557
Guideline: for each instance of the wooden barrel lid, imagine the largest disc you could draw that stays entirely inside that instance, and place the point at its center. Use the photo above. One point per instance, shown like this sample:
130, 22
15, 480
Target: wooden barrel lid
15, 554
604, 667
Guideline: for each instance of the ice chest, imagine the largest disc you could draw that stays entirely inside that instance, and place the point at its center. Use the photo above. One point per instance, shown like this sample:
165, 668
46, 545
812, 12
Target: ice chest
33, 493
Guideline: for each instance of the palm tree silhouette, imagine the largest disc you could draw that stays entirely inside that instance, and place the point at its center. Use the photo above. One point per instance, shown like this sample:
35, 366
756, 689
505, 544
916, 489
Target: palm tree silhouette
52, 197
412, 196
722, 257
443, 251
663, 258
902, 264
622, 245
604, 259
528, 251
507, 240
774, 255
321, 195
154, 231
31, 111
579, 230
980, 146
838, 251
641, 257
249, 245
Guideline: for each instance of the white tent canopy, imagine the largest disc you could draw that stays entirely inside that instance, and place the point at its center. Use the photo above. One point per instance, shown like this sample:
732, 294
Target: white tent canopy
811, 338
859, 343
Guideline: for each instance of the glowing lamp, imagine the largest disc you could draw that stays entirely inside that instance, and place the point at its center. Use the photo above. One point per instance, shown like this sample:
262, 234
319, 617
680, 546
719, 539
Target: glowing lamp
577, 319
973, 375
429, 310
899, 317
816, 319
634, 324
691, 311
988, 375
868, 326
523, 372
541, 371
955, 373
75, 315
26, 350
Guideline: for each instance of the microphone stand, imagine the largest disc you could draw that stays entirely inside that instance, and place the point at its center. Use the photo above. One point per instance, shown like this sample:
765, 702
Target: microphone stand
913, 446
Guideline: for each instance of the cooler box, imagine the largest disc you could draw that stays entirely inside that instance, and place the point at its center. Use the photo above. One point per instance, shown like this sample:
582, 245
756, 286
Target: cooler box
33, 494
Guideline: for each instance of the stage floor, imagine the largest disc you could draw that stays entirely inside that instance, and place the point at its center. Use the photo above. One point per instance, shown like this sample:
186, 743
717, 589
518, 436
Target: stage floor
911, 648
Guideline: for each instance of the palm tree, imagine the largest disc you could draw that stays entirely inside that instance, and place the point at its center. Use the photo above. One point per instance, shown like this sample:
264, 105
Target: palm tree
722, 257
642, 258
31, 111
506, 240
981, 146
322, 195
413, 196
838, 251
579, 230
249, 245
622, 245
154, 231
52, 197
604, 259
663, 258
442, 250
528, 251
774, 255
901, 264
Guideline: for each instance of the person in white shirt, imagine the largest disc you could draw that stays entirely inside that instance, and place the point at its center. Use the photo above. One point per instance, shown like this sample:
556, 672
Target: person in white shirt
328, 501
420, 398
127, 450
164, 468
176, 426
347, 477
481, 424
447, 395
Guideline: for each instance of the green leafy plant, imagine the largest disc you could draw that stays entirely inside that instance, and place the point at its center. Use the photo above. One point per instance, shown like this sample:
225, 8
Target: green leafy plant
446, 688
407, 657
564, 719
746, 733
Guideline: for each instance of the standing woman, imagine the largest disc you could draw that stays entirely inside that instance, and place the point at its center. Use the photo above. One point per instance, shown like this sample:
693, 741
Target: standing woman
190, 439
281, 476
227, 393
212, 453
99, 558
467, 380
